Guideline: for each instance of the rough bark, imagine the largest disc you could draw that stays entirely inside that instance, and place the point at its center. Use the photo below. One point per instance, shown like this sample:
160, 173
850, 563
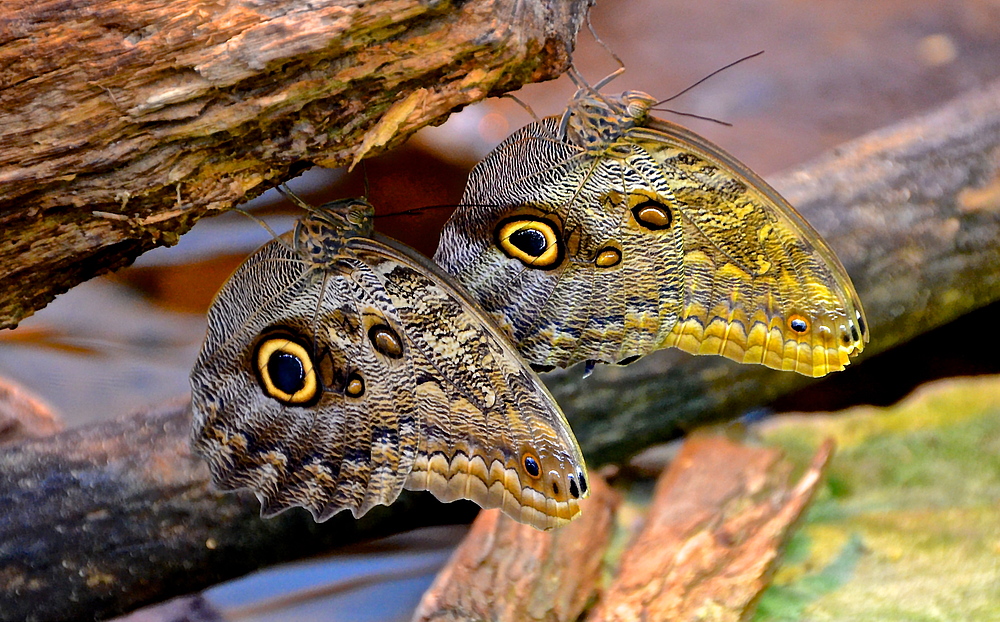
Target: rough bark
504, 570
101, 520
720, 518
913, 211
123, 122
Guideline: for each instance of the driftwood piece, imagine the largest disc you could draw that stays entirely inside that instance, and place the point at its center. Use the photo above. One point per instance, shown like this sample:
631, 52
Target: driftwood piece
720, 518
122, 123
22, 415
98, 521
504, 570
913, 211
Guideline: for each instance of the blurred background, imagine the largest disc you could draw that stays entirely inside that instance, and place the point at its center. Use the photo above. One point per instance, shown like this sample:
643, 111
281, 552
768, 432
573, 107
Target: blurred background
831, 71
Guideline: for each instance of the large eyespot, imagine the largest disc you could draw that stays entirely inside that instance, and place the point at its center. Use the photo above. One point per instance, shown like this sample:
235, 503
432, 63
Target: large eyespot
652, 215
534, 241
798, 323
285, 370
386, 341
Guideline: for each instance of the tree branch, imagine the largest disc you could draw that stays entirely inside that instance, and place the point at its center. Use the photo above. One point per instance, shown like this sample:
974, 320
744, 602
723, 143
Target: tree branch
123, 122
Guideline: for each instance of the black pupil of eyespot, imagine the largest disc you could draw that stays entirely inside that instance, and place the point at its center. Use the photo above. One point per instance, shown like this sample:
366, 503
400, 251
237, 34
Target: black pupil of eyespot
529, 241
531, 466
286, 371
798, 325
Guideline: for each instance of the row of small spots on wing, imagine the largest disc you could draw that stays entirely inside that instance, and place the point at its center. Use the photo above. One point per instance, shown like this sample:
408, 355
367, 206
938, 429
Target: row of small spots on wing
495, 486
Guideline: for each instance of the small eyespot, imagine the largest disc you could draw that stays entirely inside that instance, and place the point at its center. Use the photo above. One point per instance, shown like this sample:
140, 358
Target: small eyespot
798, 324
583, 481
628, 360
534, 241
854, 333
845, 338
608, 257
532, 467
573, 488
285, 370
541, 369
555, 488
652, 215
386, 341
355, 385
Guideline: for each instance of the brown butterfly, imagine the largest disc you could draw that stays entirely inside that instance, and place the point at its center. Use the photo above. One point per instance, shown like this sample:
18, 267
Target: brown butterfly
604, 234
341, 366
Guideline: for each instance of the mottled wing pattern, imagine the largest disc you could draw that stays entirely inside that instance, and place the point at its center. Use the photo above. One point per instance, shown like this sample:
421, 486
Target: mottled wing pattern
666, 241
339, 452
416, 388
761, 285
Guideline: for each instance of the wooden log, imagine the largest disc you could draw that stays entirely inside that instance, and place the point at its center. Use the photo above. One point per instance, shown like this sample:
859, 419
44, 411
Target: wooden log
720, 517
123, 122
913, 211
504, 570
101, 520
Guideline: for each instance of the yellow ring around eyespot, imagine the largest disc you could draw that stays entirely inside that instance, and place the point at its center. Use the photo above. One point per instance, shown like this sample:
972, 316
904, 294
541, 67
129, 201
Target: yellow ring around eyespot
280, 344
795, 316
548, 257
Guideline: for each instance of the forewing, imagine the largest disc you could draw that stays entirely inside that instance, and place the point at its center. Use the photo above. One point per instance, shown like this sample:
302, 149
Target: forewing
352, 447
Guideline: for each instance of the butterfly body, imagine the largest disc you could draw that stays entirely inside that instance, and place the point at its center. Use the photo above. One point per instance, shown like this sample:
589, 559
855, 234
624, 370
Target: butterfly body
341, 367
606, 234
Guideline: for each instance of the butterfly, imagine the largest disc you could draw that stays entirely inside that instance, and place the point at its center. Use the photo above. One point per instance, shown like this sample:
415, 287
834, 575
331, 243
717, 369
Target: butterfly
604, 234
341, 367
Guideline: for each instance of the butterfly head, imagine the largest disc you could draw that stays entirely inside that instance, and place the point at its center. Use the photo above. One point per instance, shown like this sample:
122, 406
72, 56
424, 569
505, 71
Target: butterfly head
598, 123
323, 233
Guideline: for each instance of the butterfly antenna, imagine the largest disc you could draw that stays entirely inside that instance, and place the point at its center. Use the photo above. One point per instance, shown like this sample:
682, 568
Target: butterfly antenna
714, 73
694, 116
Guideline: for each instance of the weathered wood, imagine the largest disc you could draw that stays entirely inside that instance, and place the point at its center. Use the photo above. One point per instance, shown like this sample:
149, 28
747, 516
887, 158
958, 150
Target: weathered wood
23, 415
101, 520
123, 122
913, 211
504, 570
720, 518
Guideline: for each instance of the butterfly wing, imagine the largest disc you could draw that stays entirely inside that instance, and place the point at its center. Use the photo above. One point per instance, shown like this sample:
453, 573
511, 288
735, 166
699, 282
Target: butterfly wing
348, 445
664, 240
761, 285
490, 431
413, 387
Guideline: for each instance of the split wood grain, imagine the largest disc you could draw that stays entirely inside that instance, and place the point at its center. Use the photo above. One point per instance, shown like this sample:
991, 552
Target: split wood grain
720, 518
504, 570
124, 122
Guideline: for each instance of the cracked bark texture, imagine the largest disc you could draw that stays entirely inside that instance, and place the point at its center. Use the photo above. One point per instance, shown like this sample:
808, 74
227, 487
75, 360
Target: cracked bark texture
123, 122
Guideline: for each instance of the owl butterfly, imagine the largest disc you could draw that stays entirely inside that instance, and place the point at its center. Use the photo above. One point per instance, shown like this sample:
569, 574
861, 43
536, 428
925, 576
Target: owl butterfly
341, 366
605, 234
